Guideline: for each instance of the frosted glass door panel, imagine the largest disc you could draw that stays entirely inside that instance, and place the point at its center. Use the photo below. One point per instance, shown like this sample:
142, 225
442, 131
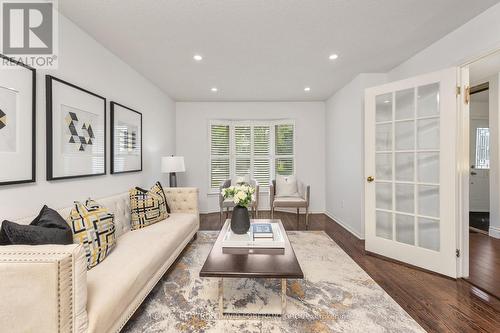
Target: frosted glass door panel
405, 135
428, 234
428, 200
428, 133
383, 168
384, 137
405, 166
405, 104
405, 198
384, 108
405, 229
428, 100
384, 225
383, 195
428, 167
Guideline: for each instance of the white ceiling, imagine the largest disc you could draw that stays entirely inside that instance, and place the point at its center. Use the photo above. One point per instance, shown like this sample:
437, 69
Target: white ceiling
265, 49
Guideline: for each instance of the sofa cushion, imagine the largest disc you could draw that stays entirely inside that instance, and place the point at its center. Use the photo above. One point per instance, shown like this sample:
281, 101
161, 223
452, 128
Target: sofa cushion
93, 227
139, 254
147, 207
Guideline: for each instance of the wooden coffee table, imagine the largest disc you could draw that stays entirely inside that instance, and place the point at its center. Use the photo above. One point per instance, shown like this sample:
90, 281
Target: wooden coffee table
251, 263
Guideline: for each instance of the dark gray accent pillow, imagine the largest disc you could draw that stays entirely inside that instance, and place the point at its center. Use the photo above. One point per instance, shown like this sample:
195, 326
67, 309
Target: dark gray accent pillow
47, 228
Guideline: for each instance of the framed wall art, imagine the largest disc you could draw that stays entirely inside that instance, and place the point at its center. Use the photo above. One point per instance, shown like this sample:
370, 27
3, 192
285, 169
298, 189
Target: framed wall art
17, 122
76, 131
126, 139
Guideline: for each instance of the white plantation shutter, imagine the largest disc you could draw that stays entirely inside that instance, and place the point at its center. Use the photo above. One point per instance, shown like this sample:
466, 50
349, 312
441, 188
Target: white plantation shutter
243, 149
259, 149
261, 154
284, 151
219, 154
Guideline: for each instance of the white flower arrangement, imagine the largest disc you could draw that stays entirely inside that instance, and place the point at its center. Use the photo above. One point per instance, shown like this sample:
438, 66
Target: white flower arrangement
242, 195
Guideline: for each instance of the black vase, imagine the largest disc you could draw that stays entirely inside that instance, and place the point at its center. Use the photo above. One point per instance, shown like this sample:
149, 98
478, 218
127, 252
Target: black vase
240, 220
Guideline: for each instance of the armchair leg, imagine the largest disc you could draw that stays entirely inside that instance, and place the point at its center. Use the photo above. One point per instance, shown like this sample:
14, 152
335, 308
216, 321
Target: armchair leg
272, 213
221, 214
307, 218
298, 218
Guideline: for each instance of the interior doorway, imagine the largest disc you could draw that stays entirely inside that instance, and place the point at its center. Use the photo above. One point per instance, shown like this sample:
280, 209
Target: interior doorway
484, 174
479, 156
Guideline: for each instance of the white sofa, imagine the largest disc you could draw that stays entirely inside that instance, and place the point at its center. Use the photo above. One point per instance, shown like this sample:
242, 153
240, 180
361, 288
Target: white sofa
47, 288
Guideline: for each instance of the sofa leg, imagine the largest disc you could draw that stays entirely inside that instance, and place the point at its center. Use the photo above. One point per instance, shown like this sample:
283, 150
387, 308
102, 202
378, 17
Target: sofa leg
195, 236
272, 213
298, 218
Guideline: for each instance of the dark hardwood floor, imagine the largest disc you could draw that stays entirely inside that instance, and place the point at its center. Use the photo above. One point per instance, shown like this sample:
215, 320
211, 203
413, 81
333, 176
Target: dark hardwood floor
437, 303
484, 262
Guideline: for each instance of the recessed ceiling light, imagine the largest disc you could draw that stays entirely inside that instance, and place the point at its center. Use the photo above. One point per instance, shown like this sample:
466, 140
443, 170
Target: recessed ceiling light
387, 101
307, 89
333, 56
197, 57
214, 89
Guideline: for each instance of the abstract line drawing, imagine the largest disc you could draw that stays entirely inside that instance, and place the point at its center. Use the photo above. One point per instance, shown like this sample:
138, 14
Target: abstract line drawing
128, 138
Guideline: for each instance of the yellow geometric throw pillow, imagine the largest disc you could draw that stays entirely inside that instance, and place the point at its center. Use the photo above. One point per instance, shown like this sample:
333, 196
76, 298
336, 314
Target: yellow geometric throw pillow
93, 226
147, 207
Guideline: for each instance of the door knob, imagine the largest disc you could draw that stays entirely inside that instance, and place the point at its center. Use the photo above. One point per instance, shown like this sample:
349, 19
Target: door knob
370, 179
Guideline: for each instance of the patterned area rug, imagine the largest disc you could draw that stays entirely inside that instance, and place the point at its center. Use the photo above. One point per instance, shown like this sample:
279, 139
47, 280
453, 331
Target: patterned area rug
335, 296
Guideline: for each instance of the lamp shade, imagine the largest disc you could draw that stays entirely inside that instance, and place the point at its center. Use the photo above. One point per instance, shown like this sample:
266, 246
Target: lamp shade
172, 164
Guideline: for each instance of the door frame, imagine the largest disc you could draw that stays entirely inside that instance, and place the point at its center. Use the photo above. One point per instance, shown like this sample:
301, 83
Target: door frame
463, 161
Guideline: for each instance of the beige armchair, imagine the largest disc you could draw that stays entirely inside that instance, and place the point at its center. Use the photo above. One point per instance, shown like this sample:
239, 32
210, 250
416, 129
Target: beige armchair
301, 201
228, 203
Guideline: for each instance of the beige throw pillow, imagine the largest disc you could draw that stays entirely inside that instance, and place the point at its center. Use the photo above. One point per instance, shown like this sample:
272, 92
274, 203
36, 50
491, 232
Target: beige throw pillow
286, 186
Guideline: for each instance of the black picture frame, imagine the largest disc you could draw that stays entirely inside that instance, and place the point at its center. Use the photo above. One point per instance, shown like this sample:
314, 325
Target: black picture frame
113, 105
4, 58
49, 122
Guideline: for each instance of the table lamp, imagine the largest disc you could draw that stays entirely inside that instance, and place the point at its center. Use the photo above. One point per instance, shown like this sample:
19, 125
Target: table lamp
172, 164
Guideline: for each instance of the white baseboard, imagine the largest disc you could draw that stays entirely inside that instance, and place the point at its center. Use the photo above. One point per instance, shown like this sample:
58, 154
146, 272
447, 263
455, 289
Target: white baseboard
494, 232
345, 226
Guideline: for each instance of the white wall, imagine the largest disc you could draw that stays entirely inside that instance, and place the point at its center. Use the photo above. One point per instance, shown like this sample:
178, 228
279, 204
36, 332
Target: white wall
86, 63
192, 142
345, 153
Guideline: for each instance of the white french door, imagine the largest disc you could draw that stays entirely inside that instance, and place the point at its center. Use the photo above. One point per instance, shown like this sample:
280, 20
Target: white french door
411, 171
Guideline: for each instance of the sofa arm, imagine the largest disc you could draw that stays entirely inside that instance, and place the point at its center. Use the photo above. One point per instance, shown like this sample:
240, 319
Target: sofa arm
182, 199
43, 288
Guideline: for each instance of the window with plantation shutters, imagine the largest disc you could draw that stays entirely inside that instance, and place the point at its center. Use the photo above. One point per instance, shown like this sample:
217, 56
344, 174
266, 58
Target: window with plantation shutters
258, 149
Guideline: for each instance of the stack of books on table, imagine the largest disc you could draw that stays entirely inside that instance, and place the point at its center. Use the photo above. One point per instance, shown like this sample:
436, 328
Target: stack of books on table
262, 231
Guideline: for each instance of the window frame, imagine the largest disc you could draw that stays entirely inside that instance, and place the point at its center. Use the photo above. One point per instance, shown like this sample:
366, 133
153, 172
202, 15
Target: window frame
264, 188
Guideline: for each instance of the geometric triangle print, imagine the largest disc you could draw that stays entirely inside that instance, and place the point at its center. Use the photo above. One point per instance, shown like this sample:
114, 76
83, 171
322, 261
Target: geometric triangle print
71, 139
